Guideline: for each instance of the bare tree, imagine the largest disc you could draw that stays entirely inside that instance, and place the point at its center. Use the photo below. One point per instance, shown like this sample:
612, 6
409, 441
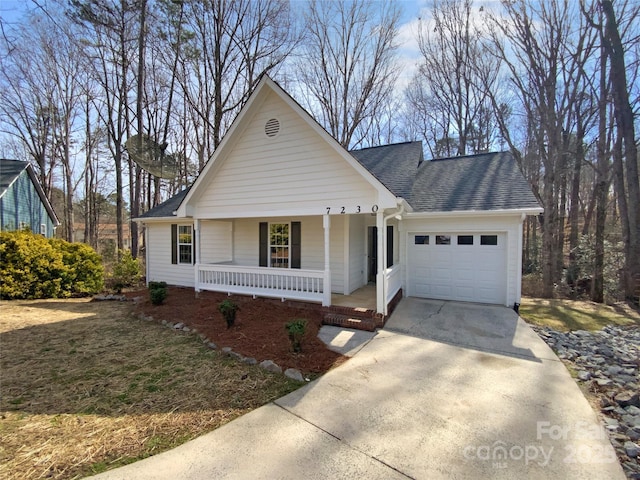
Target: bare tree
545, 49
231, 43
450, 89
347, 68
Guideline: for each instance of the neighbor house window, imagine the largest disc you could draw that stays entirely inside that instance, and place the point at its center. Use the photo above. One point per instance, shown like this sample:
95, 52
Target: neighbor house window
43, 229
465, 239
279, 245
443, 239
488, 240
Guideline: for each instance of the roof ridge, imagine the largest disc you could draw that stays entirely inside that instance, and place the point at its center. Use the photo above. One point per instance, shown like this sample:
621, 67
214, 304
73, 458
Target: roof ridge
460, 157
386, 145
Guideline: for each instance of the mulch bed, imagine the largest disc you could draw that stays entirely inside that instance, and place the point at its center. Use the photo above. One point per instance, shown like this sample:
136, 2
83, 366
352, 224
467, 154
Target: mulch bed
259, 329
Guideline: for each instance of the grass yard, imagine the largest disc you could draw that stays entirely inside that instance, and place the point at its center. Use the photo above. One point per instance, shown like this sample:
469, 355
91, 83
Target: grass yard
564, 315
86, 387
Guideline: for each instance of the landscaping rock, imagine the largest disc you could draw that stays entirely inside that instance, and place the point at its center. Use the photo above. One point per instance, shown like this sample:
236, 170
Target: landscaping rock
212, 346
178, 326
249, 361
271, 366
607, 363
294, 374
626, 399
631, 449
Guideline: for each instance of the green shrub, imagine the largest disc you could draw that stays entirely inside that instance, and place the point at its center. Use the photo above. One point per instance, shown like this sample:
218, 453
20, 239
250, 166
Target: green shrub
296, 330
157, 292
32, 266
228, 310
127, 271
84, 274
158, 295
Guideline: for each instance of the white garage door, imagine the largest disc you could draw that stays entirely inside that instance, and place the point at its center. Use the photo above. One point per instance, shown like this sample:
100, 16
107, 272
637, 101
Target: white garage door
466, 267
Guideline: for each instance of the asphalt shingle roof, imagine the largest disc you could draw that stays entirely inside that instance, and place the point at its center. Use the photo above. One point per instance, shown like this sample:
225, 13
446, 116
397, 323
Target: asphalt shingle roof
490, 181
166, 208
9, 171
394, 165
483, 182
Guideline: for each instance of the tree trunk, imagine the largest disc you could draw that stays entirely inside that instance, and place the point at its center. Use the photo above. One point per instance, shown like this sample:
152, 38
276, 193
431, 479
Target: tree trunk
624, 121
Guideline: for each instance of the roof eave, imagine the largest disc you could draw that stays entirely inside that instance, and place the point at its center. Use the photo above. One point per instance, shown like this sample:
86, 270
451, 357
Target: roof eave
486, 213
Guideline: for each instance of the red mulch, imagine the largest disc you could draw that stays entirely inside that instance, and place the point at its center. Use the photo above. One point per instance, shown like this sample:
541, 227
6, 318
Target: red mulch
258, 331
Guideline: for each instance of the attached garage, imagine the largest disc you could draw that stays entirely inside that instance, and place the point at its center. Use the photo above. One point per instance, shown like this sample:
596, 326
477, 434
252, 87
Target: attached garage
470, 267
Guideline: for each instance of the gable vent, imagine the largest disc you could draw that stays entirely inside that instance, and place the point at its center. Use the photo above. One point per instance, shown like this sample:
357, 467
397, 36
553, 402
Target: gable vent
272, 127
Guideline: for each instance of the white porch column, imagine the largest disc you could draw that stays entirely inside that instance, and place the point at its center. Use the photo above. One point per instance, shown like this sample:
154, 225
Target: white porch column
326, 297
196, 235
382, 235
519, 269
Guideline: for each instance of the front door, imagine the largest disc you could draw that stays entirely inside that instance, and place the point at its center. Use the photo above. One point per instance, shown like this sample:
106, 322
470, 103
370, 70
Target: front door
372, 254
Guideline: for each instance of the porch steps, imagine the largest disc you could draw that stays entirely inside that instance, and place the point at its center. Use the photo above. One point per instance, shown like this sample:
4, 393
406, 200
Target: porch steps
356, 318
338, 320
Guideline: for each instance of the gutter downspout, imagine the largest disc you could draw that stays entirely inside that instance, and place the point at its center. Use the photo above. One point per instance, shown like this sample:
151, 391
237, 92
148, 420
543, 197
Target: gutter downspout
398, 212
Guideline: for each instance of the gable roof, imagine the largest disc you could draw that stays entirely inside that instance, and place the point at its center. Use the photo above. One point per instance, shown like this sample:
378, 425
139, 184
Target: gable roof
394, 165
10, 170
166, 208
257, 97
485, 182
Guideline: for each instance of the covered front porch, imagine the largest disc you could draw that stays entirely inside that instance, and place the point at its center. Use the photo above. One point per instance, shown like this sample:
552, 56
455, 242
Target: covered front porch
344, 253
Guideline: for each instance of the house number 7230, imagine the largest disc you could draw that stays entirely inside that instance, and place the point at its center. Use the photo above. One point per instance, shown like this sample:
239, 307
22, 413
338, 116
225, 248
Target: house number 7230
357, 209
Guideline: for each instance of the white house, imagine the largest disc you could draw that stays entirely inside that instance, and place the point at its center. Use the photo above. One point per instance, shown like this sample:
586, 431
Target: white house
283, 210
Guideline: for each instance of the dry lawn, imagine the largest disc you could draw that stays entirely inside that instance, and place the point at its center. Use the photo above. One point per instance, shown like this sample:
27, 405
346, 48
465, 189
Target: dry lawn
85, 387
565, 315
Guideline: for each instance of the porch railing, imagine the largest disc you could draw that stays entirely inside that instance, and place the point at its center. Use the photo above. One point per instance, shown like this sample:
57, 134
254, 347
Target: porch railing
393, 282
287, 283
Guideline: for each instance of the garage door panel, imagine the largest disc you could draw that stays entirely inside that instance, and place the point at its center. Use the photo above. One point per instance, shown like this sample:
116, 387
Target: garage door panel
458, 272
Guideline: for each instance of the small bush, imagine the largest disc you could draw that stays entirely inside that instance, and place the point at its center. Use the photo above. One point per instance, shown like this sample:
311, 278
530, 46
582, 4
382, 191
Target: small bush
228, 310
296, 330
157, 292
158, 295
127, 271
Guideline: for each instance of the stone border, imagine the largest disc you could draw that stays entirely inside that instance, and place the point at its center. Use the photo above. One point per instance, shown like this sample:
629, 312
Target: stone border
268, 365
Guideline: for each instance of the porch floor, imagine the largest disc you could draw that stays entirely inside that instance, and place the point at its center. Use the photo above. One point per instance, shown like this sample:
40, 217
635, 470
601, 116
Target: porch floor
364, 297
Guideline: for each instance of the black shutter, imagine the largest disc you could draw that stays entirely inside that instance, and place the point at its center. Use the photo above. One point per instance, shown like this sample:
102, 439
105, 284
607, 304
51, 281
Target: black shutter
264, 244
389, 246
193, 244
174, 243
296, 242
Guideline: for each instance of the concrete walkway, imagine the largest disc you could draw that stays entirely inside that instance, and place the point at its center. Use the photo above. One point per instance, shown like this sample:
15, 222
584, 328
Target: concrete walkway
446, 390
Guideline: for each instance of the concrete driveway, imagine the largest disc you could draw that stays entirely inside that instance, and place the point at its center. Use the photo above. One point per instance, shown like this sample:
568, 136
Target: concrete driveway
446, 390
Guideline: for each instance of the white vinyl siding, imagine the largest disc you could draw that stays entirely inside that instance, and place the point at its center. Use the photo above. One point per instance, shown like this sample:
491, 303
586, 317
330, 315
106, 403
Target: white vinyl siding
215, 242
159, 267
246, 245
296, 171
357, 253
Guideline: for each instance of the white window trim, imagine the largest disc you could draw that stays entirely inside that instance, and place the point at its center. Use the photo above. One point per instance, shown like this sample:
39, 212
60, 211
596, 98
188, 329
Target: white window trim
190, 244
270, 245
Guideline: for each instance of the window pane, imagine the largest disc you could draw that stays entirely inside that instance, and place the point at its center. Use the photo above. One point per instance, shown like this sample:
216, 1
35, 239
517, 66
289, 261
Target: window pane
422, 240
443, 239
278, 247
465, 239
185, 253
488, 240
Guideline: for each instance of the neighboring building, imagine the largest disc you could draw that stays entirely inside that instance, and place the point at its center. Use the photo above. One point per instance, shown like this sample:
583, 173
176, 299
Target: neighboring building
23, 203
283, 210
